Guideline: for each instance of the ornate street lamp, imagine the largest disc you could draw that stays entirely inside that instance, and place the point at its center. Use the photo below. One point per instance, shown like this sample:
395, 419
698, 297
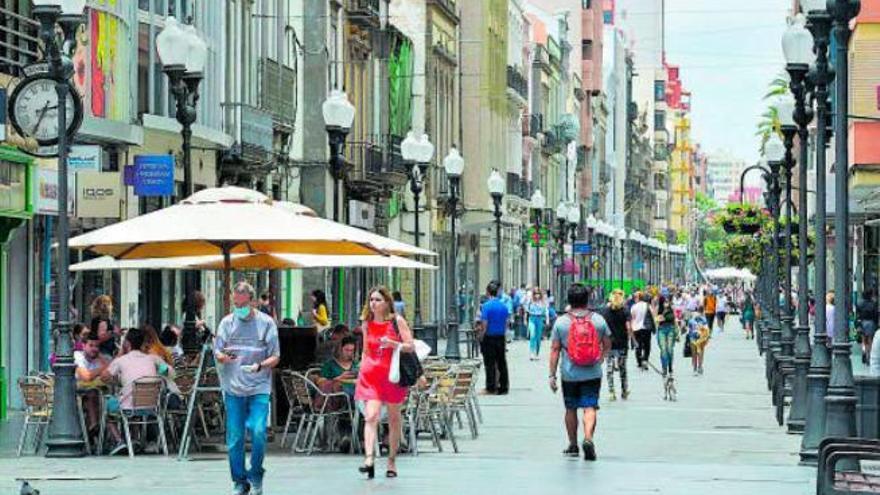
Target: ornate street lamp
797, 44
418, 153
820, 361
788, 128
561, 219
496, 190
454, 166
538, 203
65, 434
183, 53
338, 115
841, 398
591, 224
574, 220
775, 153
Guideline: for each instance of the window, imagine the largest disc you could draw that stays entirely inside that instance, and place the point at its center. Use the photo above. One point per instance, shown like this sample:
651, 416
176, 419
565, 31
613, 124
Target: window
586, 49
659, 90
143, 68
586, 4
659, 119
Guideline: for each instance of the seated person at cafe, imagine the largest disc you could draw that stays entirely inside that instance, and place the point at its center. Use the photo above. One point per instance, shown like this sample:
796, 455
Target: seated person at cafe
170, 339
338, 374
90, 364
326, 350
134, 364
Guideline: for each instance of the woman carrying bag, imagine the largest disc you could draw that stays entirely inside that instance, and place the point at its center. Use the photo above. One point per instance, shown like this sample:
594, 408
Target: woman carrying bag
384, 333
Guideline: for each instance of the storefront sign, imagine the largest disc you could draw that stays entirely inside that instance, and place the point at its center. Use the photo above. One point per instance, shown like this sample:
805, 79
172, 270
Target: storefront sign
98, 194
47, 191
85, 157
154, 175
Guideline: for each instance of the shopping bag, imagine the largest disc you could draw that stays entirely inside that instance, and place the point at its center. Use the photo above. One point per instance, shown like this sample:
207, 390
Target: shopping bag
422, 349
394, 370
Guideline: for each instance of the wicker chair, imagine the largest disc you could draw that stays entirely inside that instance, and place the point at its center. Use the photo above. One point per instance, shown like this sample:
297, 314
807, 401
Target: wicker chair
37, 394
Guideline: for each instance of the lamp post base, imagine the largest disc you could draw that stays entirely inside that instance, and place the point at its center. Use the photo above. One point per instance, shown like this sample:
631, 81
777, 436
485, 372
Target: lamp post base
453, 351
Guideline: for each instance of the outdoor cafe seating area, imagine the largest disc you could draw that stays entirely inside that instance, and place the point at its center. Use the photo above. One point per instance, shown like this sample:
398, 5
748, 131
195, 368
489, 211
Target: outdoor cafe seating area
440, 411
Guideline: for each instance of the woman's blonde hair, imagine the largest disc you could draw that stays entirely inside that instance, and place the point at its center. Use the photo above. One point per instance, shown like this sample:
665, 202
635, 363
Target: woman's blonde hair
829, 297
616, 299
102, 306
367, 313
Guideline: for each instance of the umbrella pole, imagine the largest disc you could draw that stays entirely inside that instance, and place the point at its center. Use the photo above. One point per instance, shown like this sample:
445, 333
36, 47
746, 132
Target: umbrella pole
227, 271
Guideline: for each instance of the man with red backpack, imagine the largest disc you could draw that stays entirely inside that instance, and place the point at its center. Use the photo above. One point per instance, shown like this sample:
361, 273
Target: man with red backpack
583, 339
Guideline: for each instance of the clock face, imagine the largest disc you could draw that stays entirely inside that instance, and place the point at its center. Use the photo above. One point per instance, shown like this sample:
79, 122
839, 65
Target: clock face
34, 110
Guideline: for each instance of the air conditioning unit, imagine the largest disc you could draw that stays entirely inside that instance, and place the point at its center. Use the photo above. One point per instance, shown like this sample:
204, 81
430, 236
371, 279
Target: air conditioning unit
362, 215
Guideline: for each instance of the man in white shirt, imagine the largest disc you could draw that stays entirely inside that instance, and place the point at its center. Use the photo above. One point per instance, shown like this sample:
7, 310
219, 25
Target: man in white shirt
642, 332
90, 363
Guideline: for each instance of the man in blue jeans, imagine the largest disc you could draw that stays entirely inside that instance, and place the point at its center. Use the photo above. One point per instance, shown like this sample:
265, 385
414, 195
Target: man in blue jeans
247, 349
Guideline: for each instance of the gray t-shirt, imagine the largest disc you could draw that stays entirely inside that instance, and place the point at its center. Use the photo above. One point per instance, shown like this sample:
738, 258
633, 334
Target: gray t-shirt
572, 372
252, 341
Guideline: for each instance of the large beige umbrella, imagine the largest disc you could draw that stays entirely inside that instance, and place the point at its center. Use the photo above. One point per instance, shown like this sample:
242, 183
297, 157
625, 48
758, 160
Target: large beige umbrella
257, 261
231, 220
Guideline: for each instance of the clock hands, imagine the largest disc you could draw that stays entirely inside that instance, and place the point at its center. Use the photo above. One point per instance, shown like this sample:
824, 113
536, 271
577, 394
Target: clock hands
40, 118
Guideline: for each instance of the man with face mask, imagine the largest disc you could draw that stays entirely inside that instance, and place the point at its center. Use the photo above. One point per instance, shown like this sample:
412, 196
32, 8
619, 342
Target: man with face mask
246, 346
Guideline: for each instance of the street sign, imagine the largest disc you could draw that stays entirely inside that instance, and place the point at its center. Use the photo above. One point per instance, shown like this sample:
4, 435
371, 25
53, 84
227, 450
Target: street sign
154, 175
583, 247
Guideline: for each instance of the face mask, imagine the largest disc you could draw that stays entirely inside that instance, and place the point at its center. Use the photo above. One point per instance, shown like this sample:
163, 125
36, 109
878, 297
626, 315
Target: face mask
242, 313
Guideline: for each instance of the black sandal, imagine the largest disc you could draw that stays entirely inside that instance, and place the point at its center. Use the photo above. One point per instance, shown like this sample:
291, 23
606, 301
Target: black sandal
369, 469
391, 473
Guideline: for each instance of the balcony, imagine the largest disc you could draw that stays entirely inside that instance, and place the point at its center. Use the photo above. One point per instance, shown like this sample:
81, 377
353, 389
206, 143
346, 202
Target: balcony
363, 12
532, 125
18, 42
449, 7
517, 82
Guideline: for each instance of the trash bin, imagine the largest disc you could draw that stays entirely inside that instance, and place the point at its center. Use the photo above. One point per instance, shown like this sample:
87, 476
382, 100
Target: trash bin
868, 407
427, 334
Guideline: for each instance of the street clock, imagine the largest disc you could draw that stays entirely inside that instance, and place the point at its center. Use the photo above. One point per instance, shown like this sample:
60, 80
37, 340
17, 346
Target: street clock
33, 109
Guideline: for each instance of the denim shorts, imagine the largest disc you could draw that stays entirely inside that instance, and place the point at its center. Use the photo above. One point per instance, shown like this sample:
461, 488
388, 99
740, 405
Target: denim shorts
868, 328
581, 395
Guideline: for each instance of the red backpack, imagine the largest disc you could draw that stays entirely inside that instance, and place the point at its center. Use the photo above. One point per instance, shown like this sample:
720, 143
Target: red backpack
583, 344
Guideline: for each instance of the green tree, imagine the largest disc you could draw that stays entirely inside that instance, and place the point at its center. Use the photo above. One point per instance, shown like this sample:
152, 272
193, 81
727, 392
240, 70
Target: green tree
770, 122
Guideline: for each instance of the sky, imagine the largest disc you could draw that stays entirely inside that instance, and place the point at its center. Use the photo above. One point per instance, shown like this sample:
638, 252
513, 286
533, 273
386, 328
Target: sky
729, 52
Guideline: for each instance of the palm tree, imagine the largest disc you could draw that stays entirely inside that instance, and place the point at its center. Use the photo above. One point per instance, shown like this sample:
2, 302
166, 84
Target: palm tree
769, 122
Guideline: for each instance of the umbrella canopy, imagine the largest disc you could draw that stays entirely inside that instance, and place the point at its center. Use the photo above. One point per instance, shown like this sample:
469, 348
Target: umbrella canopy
257, 261
233, 220
728, 273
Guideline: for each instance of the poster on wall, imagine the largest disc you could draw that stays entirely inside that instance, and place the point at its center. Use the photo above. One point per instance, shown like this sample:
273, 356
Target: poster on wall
101, 61
47, 191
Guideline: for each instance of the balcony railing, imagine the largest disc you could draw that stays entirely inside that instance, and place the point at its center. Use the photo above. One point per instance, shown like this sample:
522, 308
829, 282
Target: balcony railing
517, 82
365, 12
449, 6
19, 44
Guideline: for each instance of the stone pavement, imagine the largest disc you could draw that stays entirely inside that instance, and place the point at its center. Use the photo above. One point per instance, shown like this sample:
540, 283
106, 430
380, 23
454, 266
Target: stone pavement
719, 438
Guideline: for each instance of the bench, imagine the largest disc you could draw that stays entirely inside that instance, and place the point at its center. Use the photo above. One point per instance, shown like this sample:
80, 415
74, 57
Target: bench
846, 480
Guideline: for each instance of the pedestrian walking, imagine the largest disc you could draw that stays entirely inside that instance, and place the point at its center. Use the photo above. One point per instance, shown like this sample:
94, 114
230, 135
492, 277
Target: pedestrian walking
721, 310
581, 339
247, 349
709, 307
748, 315
539, 317
698, 338
867, 315
320, 314
667, 335
617, 318
640, 314
384, 331
399, 305
494, 315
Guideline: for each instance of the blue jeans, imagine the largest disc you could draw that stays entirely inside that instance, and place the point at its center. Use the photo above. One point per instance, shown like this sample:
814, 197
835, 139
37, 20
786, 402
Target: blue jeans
246, 413
536, 331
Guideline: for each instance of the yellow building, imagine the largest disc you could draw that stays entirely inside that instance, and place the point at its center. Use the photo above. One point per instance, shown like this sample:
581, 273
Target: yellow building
680, 173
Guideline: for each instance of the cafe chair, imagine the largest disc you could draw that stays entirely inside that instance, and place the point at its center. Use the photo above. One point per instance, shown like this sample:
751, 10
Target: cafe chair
315, 413
37, 395
147, 408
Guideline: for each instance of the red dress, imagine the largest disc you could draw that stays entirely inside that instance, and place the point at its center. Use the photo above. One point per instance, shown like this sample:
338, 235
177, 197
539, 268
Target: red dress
373, 383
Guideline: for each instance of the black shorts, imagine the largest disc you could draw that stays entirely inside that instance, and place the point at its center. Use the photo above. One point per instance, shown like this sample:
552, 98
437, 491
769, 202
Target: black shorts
581, 395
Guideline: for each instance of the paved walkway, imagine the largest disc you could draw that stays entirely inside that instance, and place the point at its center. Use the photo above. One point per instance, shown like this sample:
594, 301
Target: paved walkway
719, 438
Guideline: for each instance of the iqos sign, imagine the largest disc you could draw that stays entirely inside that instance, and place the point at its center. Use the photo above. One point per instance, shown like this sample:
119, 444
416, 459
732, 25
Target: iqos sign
98, 194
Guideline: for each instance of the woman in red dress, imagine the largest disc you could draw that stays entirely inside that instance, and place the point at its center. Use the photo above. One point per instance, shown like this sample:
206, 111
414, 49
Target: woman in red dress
373, 387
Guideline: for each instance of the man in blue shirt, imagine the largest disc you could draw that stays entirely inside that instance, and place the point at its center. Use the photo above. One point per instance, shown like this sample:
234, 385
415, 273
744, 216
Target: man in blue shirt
493, 317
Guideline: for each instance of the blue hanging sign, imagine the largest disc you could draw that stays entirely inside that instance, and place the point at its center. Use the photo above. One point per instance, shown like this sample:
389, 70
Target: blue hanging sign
583, 248
154, 175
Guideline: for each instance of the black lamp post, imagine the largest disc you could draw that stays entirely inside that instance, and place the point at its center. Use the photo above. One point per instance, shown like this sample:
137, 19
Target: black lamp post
775, 153
621, 239
419, 153
788, 130
820, 361
591, 227
561, 230
338, 115
841, 398
454, 166
574, 221
183, 53
496, 190
538, 204
798, 47
65, 434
